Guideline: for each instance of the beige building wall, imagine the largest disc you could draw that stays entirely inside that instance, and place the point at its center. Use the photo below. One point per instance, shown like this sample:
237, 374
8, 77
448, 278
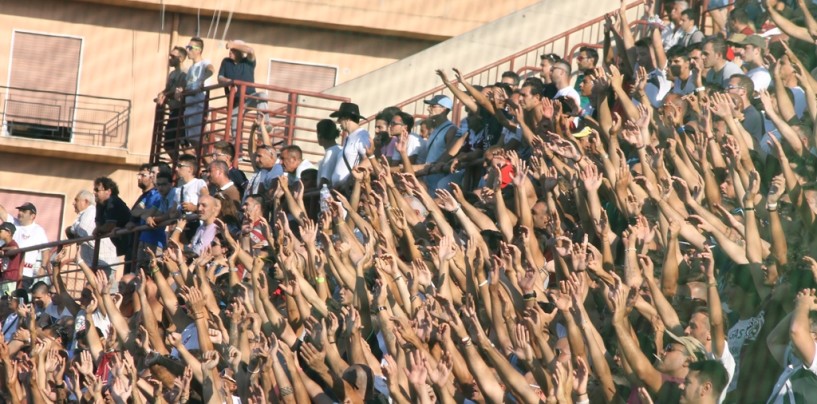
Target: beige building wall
124, 55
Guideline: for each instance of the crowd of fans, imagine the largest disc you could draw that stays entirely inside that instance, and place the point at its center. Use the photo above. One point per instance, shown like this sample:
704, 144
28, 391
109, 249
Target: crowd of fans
638, 231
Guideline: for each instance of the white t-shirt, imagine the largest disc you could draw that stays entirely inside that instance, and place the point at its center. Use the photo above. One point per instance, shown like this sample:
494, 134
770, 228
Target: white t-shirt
27, 236
569, 92
195, 75
760, 78
728, 362
328, 163
190, 191
417, 146
743, 332
354, 149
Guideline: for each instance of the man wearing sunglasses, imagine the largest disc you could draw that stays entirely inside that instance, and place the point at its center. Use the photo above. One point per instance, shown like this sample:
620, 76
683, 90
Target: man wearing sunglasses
197, 74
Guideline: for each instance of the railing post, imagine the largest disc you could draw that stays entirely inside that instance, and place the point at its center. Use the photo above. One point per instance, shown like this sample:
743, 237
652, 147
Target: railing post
228, 126
291, 111
158, 140
206, 108
239, 122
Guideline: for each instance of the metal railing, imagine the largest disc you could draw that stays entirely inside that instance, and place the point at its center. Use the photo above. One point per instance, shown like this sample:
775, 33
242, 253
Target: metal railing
73, 118
566, 44
229, 114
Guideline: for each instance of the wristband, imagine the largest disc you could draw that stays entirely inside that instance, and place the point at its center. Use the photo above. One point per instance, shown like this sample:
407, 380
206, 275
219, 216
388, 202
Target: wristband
751, 208
680, 130
529, 296
483, 283
771, 206
398, 277
700, 89
457, 209
320, 279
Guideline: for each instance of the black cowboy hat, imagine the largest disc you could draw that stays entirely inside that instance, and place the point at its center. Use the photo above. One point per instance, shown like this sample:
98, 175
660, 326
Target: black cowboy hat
347, 110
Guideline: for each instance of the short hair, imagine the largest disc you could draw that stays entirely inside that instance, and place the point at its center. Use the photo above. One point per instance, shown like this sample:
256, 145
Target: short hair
187, 158
225, 147
745, 82
551, 57
107, 184
220, 165
512, 75
718, 45
327, 129
739, 15
144, 167
536, 86
694, 46
199, 41
164, 176
40, 286
294, 149
86, 195
564, 65
591, 53
691, 13
643, 43
684, 4
383, 116
712, 371
182, 51
678, 51
408, 120
163, 168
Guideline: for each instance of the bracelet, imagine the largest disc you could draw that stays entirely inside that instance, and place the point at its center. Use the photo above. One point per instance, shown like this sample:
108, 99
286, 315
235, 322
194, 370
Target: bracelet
397, 278
483, 283
154, 270
631, 249
177, 229
320, 279
746, 209
771, 209
459, 207
371, 157
285, 391
699, 89
529, 296
712, 284
466, 341
177, 273
605, 156
770, 206
330, 341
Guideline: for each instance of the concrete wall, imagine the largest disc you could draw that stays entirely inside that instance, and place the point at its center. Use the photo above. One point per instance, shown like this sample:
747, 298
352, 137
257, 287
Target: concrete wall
427, 19
470, 51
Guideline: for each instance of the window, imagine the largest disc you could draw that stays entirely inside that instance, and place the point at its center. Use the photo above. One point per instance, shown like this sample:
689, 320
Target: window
43, 77
301, 76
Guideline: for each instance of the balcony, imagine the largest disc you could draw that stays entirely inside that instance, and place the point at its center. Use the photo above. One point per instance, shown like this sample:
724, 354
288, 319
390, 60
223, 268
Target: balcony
72, 126
292, 116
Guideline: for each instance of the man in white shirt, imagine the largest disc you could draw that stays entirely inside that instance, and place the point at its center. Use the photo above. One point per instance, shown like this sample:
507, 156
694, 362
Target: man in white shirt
29, 234
327, 138
84, 226
560, 74
354, 146
754, 46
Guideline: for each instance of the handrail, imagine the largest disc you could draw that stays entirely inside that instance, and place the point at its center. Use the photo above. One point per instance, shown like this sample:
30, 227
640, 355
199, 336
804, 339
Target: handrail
511, 59
292, 114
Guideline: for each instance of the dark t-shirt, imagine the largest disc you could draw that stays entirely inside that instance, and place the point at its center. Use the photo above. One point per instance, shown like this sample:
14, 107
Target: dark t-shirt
10, 265
114, 209
243, 70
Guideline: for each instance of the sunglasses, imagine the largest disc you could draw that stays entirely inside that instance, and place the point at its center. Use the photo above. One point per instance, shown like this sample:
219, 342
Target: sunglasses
191, 47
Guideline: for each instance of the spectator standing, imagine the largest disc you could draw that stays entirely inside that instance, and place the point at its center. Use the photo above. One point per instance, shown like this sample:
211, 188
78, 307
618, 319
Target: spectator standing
171, 98
29, 234
10, 265
240, 65
112, 214
586, 60
714, 58
83, 226
355, 145
327, 133
197, 75
146, 206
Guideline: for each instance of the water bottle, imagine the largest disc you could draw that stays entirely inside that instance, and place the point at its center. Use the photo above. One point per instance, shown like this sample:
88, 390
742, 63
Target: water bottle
326, 195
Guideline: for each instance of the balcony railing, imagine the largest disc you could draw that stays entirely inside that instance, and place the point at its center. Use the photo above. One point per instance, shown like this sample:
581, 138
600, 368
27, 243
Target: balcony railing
527, 60
71, 118
291, 115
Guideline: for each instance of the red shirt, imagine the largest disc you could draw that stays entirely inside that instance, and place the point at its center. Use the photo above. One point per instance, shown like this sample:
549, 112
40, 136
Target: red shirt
10, 265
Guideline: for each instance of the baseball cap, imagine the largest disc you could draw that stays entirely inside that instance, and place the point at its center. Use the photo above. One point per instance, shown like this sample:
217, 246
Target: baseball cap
736, 38
755, 40
440, 100
583, 133
28, 206
694, 348
8, 226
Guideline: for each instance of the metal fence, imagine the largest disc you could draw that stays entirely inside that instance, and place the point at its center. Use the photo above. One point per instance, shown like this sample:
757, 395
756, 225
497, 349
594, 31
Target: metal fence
72, 118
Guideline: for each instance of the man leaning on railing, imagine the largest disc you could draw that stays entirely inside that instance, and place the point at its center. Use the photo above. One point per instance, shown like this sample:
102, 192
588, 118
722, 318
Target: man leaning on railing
29, 234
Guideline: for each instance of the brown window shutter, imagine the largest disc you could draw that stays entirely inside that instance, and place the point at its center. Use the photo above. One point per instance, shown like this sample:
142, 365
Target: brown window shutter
45, 63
